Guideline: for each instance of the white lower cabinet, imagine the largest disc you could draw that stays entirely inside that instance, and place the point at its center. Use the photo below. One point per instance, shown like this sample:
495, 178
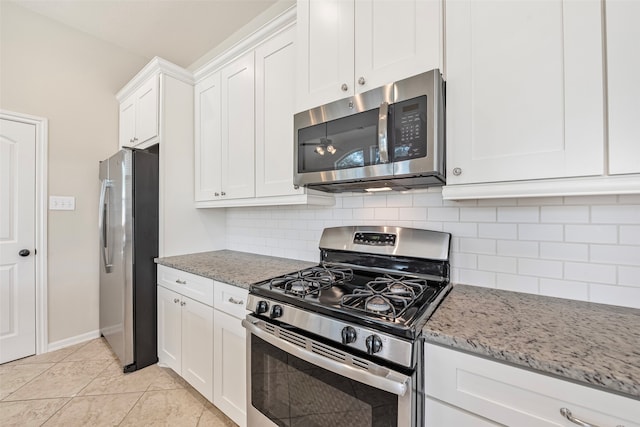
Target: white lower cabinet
229, 353
200, 337
185, 339
468, 390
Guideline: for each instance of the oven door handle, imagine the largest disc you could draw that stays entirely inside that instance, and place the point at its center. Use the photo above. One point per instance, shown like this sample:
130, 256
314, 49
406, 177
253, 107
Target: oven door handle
382, 379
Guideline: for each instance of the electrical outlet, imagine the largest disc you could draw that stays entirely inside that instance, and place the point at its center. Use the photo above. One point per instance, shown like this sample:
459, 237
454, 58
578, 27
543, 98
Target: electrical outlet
62, 203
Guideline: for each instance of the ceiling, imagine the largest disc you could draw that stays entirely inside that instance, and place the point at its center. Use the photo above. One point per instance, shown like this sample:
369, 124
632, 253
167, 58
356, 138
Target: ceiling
180, 31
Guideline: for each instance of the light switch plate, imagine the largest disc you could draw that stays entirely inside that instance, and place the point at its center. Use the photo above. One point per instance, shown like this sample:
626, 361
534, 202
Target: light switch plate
62, 203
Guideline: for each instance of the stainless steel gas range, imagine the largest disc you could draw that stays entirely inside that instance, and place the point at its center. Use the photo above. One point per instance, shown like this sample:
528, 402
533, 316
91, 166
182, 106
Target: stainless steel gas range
339, 344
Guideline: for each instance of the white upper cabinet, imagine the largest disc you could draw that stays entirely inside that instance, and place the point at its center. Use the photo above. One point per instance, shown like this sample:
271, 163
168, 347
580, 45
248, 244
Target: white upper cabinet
275, 73
238, 169
348, 47
208, 136
524, 90
623, 69
139, 116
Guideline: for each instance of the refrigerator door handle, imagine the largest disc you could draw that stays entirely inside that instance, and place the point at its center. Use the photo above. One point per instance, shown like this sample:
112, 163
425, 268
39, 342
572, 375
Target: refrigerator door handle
102, 223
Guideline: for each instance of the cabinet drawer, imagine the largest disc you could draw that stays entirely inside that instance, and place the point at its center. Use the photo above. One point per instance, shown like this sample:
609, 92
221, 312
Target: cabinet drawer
230, 299
518, 397
196, 287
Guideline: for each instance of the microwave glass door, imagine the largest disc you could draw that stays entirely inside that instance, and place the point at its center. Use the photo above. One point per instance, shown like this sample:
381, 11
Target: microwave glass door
348, 142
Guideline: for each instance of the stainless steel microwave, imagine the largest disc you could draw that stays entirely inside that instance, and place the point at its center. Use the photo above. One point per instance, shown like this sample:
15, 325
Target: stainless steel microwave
391, 137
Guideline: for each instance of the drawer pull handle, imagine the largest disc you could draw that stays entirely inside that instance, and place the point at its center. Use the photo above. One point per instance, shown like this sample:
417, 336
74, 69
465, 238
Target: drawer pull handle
567, 414
181, 282
232, 300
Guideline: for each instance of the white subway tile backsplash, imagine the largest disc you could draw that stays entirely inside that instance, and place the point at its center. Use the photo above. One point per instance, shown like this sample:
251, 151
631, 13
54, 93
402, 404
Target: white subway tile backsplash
443, 214
616, 254
589, 272
518, 248
412, 214
540, 268
519, 214
477, 278
541, 232
386, 213
573, 247
498, 231
564, 214
461, 229
628, 276
478, 214
564, 289
591, 233
629, 234
498, 264
513, 282
399, 200
615, 295
564, 251
615, 214
477, 246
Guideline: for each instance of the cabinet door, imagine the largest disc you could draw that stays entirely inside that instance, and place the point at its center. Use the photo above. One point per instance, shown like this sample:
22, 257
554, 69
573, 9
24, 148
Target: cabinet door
208, 138
439, 414
147, 111
275, 72
238, 147
127, 122
197, 346
623, 71
325, 42
395, 39
524, 90
169, 329
229, 388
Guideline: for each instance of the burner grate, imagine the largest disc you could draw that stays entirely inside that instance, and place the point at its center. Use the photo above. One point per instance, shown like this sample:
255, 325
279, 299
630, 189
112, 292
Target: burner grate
312, 280
388, 297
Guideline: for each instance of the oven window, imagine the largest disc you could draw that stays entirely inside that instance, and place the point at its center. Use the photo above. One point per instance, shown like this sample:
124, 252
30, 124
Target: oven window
292, 392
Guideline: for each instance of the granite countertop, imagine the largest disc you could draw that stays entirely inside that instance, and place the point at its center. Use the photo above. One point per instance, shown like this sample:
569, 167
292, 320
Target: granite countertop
236, 268
591, 343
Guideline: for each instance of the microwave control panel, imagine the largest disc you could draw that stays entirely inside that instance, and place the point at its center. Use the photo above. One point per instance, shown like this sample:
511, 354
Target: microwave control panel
410, 128
375, 239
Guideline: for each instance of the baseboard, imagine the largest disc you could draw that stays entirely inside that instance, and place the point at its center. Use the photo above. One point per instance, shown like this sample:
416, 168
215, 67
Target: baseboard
57, 345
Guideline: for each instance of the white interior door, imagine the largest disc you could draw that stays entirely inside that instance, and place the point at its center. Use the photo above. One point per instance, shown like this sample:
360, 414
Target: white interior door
17, 240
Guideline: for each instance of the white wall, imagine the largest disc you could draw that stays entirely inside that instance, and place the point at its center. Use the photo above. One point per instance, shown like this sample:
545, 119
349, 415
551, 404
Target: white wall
584, 248
50, 70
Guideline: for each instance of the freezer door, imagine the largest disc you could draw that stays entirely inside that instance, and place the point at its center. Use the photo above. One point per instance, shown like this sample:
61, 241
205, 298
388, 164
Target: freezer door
116, 262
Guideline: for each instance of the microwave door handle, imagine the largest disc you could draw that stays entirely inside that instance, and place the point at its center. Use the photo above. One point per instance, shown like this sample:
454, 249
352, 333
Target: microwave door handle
383, 140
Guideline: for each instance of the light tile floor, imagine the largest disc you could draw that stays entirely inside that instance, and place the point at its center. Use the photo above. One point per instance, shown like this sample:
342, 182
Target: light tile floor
83, 385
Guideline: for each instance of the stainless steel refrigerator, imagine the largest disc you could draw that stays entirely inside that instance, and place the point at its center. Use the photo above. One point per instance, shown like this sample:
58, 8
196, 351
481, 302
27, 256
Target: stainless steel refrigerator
128, 226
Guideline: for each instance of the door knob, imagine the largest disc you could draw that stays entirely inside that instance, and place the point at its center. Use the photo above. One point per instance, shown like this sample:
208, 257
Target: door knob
24, 252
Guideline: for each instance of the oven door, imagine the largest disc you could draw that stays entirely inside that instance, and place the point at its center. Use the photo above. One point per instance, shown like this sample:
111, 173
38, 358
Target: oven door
293, 380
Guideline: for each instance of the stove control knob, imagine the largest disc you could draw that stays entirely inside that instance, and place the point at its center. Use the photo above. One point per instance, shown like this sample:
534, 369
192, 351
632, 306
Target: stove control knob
262, 307
348, 335
374, 344
276, 311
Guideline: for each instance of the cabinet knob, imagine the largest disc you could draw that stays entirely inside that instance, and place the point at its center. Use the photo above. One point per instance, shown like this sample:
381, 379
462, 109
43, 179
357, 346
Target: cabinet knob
216, 194
457, 171
135, 139
176, 300
296, 186
344, 87
131, 140
361, 81
223, 194
183, 303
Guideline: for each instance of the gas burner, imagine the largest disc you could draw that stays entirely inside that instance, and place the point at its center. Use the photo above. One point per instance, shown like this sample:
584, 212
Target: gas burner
385, 296
312, 280
301, 287
378, 304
